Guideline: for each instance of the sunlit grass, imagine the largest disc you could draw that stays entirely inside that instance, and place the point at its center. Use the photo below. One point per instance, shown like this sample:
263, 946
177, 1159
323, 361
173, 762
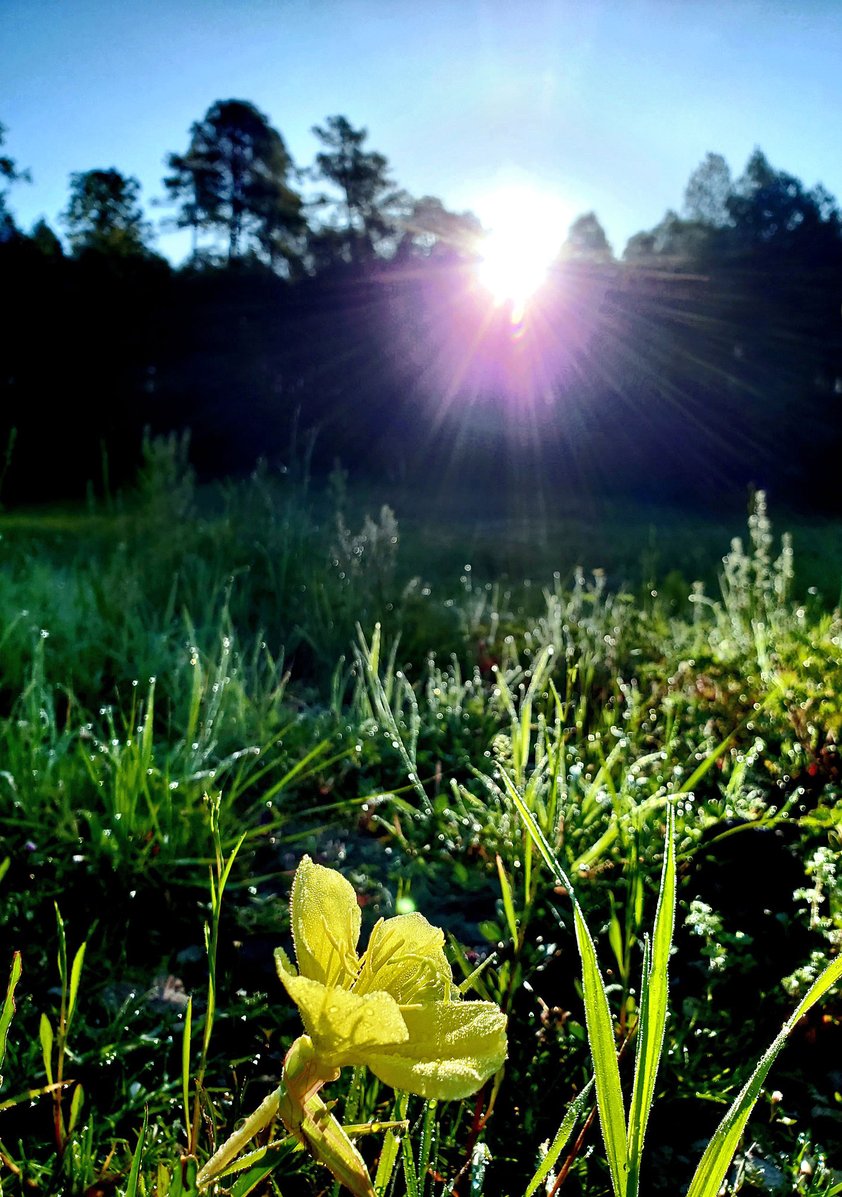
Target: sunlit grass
456, 745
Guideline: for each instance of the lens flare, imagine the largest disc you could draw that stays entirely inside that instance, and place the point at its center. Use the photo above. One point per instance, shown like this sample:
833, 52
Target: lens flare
525, 233
513, 266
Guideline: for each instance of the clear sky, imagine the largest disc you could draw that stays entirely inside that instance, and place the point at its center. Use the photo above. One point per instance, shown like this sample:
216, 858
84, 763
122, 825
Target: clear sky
599, 104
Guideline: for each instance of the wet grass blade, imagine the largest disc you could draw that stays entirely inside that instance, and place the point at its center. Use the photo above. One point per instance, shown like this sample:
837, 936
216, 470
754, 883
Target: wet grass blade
708, 1178
258, 1165
8, 1010
571, 1116
185, 1067
653, 1010
600, 1025
134, 1173
508, 900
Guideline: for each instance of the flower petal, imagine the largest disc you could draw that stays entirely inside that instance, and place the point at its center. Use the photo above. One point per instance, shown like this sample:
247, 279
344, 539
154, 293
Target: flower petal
326, 920
405, 957
343, 1026
453, 1048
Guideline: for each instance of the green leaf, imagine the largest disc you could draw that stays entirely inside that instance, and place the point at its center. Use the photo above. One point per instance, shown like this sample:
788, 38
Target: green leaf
391, 1147
45, 1034
508, 901
653, 1009
600, 1025
615, 937
8, 1010
75, 1107
571, 1117
185, 1068
718, 1154
75, 975
409, 1173
134, 1173
257, 1165
428, 1135
62, 947
233, 1145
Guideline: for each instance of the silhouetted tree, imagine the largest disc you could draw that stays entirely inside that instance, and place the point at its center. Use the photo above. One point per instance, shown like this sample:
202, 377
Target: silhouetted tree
371, 204
432, 230
9, 174
671, 240
104, 214
708, 192
770, 207
234, 180
45, 240
586, 239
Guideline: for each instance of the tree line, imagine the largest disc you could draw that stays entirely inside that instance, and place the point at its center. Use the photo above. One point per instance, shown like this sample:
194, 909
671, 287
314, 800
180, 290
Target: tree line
331, 307
238, 192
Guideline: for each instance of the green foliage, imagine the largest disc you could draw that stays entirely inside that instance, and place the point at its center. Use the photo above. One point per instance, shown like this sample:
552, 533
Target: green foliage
233, 180
104, 214
480, 754
365, 214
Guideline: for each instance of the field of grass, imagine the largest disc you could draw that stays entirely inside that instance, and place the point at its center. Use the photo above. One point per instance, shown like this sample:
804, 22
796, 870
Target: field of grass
199, 688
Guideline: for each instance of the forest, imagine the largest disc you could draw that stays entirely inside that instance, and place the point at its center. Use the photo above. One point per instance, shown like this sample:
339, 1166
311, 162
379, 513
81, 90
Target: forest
323, 310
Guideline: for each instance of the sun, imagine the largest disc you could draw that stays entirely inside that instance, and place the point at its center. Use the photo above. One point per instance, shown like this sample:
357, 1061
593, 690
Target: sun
513, 265
525, 232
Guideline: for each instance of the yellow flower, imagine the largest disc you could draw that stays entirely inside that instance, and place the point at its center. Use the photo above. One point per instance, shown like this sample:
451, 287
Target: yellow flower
395, 1008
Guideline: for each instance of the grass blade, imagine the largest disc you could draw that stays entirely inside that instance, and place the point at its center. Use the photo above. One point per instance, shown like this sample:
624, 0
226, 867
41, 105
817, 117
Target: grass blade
653, 1009
709, 1175
425, 1148
409, 1173
258, 1165
391, 1146
75, 976
571, 1117
600, 1025
508, 900
185, 1067
134, 1173
45, 1034
8, 1010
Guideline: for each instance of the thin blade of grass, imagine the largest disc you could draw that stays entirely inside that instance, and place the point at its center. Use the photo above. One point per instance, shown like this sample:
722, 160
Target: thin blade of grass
391, 1147
708, 1177
409, 1173
185, 1066
45, 1035
508, 900
257, 1165
75, 976
600, 1026
76, 1103
425, 1148
653, 1009
134, 1172
568, 1122
7, 1013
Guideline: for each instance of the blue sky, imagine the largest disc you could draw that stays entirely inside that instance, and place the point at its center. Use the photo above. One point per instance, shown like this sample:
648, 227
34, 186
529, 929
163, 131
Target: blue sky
599, 104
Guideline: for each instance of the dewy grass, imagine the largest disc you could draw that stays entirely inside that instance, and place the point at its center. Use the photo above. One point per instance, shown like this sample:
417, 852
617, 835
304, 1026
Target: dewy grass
601, 714
623, 1135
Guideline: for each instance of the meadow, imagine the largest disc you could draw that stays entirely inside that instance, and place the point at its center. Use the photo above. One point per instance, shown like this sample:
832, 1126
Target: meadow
494, 723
